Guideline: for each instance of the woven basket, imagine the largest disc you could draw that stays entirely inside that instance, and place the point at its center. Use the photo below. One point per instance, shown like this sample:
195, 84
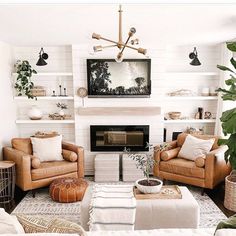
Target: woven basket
230, 191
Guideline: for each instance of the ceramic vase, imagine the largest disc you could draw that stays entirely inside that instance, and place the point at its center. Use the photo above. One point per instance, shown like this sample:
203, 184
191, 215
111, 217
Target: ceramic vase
35, 113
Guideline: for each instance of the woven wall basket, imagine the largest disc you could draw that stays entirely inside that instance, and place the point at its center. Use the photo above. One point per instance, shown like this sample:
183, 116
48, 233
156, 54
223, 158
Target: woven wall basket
230, 191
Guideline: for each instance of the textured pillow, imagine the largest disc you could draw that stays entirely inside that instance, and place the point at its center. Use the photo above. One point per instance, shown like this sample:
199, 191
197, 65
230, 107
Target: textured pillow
35, 162
22, 144
200, 161
33, 224
9, 224
195, 147
69, 155
47, 149
167, 155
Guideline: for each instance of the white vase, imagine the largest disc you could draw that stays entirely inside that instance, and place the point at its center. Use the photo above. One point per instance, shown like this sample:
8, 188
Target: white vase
35, 113
61, 112
149, 189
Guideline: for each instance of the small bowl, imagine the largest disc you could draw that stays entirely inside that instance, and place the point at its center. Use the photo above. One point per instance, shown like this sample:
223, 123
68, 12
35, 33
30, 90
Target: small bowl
174, 115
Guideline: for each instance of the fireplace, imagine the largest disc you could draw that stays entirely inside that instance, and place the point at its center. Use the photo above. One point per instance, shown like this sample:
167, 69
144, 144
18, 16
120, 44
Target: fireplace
118, 137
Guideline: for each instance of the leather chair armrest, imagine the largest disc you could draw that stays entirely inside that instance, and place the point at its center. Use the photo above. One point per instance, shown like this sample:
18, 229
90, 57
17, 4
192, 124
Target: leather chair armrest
157, 156
23, 166
216, 168
80, 152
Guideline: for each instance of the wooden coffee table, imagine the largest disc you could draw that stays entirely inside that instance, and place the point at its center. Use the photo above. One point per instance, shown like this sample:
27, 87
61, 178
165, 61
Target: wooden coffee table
157, 213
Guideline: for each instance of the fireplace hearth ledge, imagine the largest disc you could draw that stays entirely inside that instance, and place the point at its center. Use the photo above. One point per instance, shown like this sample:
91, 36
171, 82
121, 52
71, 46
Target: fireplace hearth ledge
114, 111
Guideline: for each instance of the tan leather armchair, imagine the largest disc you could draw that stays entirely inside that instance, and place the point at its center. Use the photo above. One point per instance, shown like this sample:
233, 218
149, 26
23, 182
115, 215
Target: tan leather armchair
169, 167
28, 178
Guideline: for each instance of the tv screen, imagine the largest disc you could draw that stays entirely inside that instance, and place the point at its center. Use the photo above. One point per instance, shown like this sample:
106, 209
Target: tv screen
130, 78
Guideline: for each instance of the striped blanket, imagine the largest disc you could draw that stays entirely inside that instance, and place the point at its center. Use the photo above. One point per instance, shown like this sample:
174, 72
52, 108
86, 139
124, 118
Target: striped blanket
112, 207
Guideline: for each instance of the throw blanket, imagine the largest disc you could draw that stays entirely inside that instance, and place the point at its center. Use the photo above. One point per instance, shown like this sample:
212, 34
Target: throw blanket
229, 223
112, 207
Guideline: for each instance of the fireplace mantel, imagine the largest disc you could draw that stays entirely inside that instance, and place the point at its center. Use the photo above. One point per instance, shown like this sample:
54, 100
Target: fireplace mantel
119, 111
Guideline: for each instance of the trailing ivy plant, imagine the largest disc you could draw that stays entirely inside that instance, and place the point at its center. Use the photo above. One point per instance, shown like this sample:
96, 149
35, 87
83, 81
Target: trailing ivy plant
228, 117
23, 83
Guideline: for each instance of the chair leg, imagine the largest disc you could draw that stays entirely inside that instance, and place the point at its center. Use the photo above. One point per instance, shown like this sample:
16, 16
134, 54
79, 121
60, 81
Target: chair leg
164, 181
202, 191
33, 193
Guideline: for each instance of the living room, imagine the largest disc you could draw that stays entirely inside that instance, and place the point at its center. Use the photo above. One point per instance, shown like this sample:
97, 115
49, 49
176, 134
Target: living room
118, 118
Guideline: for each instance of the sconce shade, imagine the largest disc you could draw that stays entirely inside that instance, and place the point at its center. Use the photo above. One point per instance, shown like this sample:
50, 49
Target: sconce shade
42, 57
195, 62
194, 57
41, 62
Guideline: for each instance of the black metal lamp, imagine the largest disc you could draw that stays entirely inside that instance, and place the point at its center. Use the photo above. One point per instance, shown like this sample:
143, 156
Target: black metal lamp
42, 57
193, 55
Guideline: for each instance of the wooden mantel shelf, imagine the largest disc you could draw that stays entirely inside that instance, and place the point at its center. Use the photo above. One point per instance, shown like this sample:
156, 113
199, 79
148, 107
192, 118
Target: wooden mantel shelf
119, 111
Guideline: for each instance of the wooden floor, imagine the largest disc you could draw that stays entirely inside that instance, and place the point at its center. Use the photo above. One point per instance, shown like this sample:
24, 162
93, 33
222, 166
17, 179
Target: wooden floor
217, 195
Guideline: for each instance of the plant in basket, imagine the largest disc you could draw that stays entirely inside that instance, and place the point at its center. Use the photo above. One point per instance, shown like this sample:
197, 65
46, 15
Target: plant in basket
228, 120
145, 163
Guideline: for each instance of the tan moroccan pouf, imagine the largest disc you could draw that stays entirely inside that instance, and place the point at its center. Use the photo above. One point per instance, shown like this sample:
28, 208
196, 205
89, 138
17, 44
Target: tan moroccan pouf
67, 189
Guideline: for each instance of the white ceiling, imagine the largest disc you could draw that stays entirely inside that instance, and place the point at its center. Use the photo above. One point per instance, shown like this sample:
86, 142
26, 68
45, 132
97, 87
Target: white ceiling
49, 24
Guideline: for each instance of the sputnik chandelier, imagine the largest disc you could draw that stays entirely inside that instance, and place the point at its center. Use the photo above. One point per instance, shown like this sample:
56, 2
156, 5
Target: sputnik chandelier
120, 44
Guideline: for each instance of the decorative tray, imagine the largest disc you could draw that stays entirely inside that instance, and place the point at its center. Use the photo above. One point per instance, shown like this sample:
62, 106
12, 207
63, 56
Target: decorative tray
167, 192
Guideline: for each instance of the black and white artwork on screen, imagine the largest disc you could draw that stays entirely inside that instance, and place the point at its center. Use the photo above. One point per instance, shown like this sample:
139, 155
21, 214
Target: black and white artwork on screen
130, 78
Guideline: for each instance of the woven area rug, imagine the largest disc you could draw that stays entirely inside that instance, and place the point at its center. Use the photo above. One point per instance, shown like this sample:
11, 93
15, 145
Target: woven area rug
43, 206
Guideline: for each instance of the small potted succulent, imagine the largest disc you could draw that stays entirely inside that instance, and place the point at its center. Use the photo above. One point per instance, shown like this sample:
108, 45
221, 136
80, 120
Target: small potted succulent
146, 163
62, 107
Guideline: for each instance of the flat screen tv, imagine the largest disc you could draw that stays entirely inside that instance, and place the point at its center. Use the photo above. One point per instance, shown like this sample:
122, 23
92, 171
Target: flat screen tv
130, 78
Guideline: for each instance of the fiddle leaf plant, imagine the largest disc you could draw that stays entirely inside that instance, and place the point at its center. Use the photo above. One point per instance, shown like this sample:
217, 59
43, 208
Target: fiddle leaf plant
23, 84
228, 117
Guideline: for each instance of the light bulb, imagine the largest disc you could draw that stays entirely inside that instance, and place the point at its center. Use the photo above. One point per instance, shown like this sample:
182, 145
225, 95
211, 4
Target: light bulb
119, 57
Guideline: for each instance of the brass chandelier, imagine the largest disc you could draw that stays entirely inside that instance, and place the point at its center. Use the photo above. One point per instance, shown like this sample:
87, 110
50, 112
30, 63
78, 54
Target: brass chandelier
120, 44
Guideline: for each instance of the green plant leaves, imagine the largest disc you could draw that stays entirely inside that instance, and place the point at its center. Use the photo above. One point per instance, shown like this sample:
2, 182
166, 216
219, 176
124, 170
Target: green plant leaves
231, 46
225, 68
23, 83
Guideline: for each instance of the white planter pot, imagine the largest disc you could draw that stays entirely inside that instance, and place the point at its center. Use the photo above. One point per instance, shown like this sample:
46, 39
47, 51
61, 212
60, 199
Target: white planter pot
35, 113
149, 189
61, 112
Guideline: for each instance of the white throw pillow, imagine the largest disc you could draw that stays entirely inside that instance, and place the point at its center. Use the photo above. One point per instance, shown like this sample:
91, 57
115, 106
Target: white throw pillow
47, 149
195, 147
9, 224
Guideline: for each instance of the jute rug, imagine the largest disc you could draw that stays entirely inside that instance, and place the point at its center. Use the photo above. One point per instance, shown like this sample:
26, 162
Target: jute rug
43, 206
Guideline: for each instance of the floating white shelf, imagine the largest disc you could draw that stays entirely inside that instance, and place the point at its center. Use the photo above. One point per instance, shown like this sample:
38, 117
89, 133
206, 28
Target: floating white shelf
51, 74
189, 121
209, 73
23, 98
45, 121
174, 98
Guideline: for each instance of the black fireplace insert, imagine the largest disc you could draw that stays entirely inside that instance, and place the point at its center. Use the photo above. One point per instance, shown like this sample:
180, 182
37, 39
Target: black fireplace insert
118, 137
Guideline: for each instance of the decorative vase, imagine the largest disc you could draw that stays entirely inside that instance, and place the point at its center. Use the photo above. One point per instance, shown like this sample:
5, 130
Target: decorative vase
61, 112
155, 188
35, 113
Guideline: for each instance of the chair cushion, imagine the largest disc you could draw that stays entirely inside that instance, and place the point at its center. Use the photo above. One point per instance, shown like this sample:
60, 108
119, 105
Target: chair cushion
22, 144
182, 167
69, 155
194, 147
181, 138
169, 154
53, 168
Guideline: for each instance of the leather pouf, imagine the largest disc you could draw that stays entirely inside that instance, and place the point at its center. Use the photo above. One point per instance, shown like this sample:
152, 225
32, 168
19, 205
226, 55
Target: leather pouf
67, 189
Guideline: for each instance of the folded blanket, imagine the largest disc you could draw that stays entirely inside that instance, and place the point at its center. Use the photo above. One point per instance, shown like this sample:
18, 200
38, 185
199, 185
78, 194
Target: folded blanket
112, 207
229, 223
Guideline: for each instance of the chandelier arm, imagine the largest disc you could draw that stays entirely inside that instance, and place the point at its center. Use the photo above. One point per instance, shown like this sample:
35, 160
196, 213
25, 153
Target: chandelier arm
120, 27
122, 50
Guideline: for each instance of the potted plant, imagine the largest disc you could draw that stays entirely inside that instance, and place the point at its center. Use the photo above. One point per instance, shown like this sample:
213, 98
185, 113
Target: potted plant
146, 163
23, 84
62, 107
228, 120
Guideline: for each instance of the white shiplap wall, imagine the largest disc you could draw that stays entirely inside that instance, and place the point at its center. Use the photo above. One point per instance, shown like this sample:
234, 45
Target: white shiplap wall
60, 60
164, 60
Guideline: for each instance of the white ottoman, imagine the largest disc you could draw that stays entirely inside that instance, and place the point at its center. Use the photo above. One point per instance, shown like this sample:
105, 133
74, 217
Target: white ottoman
130, 172
156, 213
107, 167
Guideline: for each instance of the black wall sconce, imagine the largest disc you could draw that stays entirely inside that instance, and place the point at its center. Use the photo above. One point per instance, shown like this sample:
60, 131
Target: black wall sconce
42, 57
193, 55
